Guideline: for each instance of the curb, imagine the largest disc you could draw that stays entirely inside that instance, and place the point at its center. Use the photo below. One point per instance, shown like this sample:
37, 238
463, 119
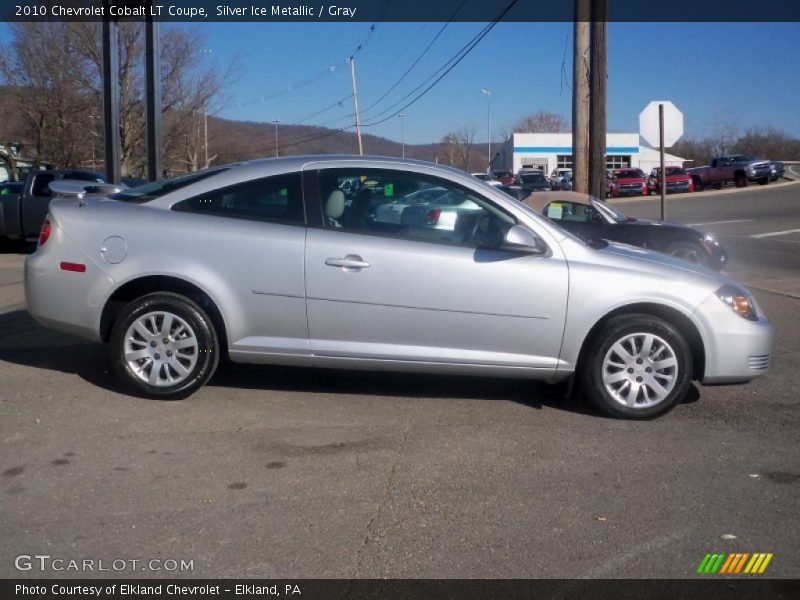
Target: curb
705, 193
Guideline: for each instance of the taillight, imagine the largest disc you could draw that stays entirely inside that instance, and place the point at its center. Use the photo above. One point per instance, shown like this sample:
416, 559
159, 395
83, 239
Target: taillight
44, 234
433, 215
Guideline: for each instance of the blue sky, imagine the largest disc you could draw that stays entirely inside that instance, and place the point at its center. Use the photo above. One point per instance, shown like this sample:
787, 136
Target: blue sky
738, 72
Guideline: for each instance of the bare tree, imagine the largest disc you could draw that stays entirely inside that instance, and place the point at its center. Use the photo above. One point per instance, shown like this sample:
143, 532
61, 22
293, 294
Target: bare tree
52, 109
542, 122
723, 135
60, 65
456, 147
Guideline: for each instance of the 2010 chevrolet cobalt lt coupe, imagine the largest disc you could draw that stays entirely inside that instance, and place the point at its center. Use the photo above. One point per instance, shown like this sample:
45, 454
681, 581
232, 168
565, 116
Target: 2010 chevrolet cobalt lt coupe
285, 261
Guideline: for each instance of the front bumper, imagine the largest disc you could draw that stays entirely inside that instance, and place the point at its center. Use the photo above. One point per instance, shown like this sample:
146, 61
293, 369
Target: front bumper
736, 349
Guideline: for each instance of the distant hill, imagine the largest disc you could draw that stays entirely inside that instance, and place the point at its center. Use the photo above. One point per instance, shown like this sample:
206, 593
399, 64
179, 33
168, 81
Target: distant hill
238, 140
231, 140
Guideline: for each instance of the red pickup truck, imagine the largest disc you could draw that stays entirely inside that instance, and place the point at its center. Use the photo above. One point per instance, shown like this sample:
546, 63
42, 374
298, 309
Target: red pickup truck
678, 180
628, 182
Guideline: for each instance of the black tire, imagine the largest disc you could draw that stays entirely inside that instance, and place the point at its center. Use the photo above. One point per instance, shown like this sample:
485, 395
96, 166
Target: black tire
616, 329
694, 253
763, 181
740, 180
205, 353
698, 184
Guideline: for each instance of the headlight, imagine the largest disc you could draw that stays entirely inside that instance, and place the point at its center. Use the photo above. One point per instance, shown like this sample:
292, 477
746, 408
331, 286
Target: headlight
710, 239
738, 301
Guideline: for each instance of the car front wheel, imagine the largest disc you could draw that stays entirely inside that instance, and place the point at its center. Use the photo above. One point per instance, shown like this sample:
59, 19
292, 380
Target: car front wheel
638, 367
164, 346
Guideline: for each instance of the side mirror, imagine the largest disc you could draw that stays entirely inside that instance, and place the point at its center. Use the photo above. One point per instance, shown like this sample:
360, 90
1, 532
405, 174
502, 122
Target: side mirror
521, 239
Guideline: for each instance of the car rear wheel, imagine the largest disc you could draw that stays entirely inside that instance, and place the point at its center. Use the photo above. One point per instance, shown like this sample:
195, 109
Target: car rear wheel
688, 251
164, 346
638, 367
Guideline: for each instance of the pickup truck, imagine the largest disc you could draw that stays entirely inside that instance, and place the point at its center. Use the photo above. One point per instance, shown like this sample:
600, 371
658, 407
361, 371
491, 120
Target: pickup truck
22, 211
739, 169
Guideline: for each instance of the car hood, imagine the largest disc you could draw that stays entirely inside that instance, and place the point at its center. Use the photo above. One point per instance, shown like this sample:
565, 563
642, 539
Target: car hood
655, 223
663, 261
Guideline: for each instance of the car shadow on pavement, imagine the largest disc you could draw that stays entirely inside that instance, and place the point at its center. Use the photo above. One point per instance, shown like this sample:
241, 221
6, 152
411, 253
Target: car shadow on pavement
530, 393
24, 342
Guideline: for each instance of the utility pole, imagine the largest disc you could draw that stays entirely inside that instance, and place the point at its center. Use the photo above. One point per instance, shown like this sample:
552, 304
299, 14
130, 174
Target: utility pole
276, 121
205, 136
355, 104
402, 133
597, 107
487, 92
153, 98
580, 97
111, 97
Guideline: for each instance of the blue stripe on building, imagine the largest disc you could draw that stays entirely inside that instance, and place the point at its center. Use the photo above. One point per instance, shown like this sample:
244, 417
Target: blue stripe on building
568, 149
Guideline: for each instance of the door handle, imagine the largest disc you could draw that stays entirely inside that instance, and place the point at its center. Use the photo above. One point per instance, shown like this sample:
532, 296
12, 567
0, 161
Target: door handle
349, 262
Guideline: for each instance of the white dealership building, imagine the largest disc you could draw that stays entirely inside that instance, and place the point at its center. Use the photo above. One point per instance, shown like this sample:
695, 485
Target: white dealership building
550, 151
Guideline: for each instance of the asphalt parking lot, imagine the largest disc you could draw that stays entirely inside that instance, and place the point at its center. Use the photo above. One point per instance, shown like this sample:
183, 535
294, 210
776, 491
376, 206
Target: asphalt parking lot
279, 472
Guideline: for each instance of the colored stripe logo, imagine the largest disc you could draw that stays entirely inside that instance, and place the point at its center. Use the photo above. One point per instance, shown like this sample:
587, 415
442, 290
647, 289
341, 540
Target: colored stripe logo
734, 563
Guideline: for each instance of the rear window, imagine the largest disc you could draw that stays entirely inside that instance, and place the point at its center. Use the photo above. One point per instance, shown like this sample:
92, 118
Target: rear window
150, 191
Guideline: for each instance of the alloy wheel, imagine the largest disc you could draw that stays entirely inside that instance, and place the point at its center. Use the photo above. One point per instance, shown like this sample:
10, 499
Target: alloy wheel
640, 370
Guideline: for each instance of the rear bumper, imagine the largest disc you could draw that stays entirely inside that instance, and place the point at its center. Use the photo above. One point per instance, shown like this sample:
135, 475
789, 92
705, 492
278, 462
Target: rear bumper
65, 300
736, 349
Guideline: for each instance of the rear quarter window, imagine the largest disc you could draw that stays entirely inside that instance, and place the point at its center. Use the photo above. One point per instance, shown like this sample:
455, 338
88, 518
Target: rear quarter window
277, 199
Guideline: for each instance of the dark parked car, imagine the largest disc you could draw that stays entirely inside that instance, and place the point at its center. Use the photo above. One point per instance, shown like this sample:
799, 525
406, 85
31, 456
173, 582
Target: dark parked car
23, 209
590, 218
534, 181
515, 191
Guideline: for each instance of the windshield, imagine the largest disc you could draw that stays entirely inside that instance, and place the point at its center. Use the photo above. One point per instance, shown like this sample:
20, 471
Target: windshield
150, 191
743, 158
627, 174
609, 211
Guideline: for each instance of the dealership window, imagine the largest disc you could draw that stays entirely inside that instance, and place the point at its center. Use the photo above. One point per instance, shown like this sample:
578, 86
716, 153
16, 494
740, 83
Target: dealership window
618, 161
564, 161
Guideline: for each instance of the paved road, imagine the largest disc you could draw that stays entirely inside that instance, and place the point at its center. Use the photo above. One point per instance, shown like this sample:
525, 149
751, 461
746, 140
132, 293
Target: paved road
277, 472
760, 229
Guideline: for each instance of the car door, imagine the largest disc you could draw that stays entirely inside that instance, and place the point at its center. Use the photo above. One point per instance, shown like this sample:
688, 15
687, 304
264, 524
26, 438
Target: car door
418, 293
252, 238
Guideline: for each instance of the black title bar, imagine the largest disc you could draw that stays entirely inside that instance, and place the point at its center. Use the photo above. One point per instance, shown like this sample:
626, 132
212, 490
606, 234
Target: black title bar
375, 11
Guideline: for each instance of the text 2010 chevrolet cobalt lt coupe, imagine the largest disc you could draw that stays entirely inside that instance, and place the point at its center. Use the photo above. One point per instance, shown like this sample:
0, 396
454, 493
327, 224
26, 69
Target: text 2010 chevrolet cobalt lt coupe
269, 262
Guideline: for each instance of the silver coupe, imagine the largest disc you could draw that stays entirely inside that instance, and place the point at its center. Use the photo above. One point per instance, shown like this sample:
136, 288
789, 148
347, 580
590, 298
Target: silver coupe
267, 262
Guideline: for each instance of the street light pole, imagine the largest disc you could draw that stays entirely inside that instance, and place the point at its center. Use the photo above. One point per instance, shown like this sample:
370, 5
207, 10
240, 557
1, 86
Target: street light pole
487, 92
276, 121
402, 132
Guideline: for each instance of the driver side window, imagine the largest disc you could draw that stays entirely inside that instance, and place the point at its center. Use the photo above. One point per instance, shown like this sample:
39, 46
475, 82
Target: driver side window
409, 206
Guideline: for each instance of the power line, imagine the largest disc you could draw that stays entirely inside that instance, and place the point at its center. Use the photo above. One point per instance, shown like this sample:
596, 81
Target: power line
314, 77
404, 75
444, 70
462, 54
